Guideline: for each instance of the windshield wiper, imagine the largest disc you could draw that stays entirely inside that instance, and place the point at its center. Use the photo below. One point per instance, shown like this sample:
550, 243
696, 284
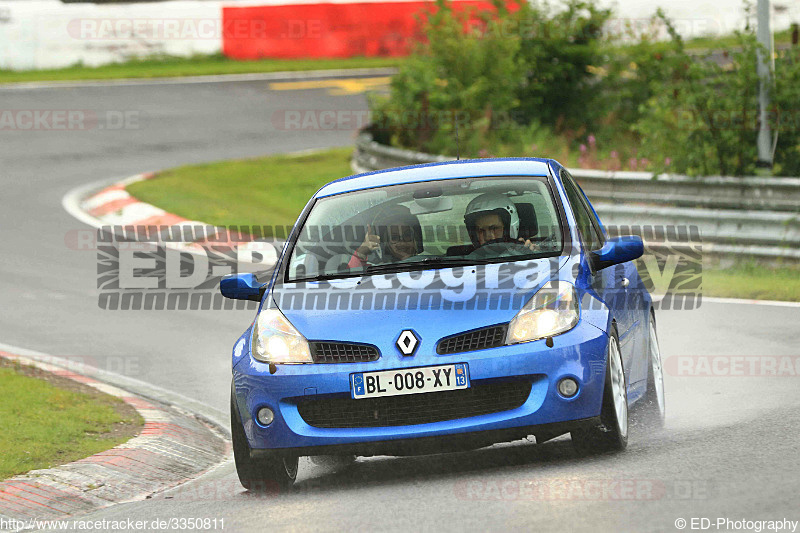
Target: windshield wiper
327, 277
403, 266
428, 262
453, 261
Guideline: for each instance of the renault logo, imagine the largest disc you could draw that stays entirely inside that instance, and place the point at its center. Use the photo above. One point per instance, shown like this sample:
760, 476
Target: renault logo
407, 342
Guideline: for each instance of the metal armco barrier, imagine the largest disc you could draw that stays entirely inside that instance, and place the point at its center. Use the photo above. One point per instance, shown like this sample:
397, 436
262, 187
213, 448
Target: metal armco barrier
736, 217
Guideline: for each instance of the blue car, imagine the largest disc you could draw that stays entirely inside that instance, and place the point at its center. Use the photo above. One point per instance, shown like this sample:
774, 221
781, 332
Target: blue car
439, 307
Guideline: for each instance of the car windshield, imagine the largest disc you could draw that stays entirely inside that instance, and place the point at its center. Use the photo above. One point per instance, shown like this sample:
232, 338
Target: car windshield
431, 224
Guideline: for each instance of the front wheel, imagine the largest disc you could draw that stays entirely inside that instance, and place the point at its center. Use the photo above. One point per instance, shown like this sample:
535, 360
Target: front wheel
266, 474
612, 433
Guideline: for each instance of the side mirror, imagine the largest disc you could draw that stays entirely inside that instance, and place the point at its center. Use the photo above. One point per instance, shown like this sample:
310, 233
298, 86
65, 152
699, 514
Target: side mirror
242, 287
617, 250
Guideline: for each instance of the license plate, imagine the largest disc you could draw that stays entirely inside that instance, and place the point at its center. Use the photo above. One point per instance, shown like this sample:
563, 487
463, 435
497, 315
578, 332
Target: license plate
409, 381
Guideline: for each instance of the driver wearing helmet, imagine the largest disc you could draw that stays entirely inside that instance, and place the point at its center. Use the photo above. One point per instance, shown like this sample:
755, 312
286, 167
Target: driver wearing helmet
493, 217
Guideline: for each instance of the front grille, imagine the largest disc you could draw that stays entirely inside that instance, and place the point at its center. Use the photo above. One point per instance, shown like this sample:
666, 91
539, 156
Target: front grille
478, 339
343, 352
414, 408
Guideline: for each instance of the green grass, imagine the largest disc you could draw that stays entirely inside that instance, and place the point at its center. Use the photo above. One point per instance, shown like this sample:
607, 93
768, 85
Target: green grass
752, 281
264, 191
42, 425
273, 190
159, 67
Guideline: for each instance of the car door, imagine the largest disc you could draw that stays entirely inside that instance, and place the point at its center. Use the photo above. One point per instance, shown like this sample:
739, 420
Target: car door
635, 307
611, 283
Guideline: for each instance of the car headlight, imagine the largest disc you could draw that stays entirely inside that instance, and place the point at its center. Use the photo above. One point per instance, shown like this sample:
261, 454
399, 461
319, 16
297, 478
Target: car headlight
275, 340
551, 311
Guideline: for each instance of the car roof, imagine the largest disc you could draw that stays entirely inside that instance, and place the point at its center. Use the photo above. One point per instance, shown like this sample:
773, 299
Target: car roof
466, 168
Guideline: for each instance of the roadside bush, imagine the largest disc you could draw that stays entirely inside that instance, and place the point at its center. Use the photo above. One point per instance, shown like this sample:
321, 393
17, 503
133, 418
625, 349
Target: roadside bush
459, 77
558, 49
704, 117
786, 112
496, 76
635, 63
530, 79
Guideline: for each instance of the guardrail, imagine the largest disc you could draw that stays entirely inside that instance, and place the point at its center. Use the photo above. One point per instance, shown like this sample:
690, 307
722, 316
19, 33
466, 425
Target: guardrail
751, 216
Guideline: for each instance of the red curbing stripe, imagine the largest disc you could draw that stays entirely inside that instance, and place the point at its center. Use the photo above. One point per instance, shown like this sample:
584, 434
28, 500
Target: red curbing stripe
167, 426
115, 187
114, 205
138, 403
123, 457
167, 219
125, 464
168, 434
12, 500
56, 493
73, 376
167, 430
16, 495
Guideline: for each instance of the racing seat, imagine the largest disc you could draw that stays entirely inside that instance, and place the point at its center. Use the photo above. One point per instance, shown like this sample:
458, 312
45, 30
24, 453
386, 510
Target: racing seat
528, 227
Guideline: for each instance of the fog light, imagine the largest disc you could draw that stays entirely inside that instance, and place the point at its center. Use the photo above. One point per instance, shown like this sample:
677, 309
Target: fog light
568, 387
265, 416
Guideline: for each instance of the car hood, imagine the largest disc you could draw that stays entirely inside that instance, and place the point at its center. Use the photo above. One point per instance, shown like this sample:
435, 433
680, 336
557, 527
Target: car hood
434, 303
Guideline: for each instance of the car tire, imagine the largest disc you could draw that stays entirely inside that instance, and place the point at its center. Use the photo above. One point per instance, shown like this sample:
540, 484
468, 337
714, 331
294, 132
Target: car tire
653, 409
611, 435
266, 474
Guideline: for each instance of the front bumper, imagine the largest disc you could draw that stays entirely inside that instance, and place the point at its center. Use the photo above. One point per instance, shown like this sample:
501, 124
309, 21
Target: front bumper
579, 353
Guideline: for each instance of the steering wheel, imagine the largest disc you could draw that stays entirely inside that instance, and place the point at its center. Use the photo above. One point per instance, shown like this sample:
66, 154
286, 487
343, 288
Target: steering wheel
498, 248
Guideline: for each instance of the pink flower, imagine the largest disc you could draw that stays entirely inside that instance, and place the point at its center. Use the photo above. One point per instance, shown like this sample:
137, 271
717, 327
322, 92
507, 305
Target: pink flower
614, 154
644, 162
591, 140
667, 161
583, 148
484, 153
632, 163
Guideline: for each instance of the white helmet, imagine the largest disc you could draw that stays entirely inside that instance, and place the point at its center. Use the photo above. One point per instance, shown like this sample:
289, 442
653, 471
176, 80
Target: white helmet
492, 202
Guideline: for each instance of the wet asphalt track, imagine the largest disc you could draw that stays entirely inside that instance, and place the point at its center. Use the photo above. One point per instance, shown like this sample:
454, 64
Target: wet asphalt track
729, 450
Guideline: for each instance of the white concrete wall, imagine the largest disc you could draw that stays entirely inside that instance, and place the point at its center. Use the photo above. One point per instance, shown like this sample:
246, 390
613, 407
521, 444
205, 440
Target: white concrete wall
40, 34
697, 18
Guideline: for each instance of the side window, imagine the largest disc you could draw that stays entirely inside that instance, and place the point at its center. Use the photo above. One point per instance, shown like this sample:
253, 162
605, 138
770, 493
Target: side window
587, 225
592, 215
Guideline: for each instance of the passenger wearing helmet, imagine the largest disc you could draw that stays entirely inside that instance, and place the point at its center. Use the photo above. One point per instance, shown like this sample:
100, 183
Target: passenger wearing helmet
493, 217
